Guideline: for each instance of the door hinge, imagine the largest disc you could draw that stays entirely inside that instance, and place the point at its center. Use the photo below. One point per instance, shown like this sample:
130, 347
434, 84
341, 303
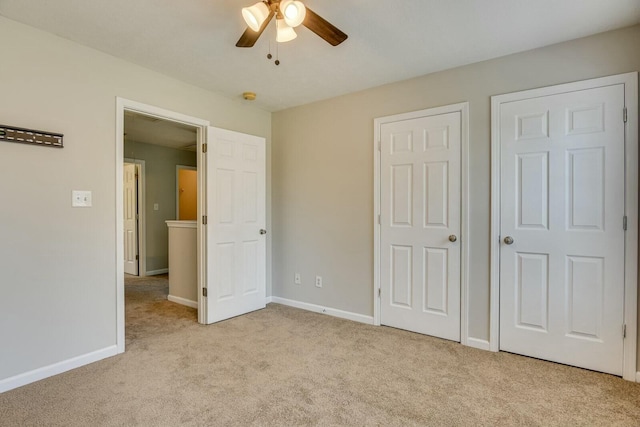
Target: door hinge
379, 145
204, 292
624, 223
379, 292
379, 220
204, 148
624, 331
137, 257
204, 220
624, 114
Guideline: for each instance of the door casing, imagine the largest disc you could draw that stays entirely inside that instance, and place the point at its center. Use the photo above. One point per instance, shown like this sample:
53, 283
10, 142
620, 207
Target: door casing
630, 81
201, 125
463, 108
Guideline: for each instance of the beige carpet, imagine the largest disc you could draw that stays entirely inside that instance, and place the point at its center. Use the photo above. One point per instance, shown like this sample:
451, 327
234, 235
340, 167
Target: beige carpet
283, 366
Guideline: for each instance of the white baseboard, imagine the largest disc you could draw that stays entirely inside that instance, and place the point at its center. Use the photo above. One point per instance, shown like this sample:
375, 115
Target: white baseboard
268, 300
156, 272
478, 343
638, 377
55, 369
324, 310
183, 301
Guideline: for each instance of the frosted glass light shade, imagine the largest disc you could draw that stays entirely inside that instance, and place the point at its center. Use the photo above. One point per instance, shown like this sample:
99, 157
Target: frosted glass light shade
255, 15
293, 12
284, 32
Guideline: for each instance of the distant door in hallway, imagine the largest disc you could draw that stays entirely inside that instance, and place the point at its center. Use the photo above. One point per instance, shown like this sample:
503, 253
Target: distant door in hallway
420, 206
187, 196
562, 250
130, 219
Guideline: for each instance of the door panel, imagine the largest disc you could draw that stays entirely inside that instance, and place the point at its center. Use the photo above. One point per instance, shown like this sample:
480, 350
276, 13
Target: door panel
130, 219
420, 208
235, 205
562, 202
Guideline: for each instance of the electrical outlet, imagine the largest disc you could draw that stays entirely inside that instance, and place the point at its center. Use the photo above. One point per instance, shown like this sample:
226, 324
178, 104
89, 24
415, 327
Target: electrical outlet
318, 281
296, 279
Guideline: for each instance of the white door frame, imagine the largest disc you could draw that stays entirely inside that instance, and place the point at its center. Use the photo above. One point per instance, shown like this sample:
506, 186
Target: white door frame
142, 228
123, 105
463, 108
178, 169
630, 80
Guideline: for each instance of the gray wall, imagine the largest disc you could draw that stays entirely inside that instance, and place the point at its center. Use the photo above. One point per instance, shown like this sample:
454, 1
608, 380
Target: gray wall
323, 167
58, 263
160, 187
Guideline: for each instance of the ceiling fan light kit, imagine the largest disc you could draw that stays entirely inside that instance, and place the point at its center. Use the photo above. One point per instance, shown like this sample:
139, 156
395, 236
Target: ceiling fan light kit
255, 15
284, 33
294, 12
289, 14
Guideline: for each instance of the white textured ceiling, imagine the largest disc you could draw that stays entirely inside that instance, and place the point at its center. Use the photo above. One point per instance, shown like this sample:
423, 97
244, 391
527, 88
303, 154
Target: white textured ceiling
194, 40
151, 130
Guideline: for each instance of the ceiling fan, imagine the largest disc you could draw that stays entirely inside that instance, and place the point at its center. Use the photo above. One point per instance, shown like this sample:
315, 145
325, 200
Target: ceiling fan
289, 14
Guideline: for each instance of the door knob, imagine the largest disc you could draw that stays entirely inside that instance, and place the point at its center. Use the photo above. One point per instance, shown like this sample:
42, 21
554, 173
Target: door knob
508, 240
453, 238
263, 231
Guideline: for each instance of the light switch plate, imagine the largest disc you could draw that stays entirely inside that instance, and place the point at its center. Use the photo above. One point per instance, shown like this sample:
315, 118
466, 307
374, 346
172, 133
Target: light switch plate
81, 199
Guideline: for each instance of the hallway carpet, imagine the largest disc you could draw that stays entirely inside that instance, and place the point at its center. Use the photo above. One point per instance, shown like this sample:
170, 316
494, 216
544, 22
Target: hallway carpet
283, 366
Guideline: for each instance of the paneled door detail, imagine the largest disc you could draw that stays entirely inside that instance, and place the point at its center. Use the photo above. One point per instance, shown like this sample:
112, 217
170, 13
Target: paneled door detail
420, 196
562, 238
130, 219
236, 229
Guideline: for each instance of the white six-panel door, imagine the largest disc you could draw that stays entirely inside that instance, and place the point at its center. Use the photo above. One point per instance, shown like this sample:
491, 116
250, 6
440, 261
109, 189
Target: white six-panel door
130, 186
420, 196
236, 223
562, 258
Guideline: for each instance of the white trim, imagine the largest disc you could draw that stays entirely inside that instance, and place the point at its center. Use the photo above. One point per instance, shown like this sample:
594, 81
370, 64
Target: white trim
56, 368
638, 377
183, 301
201, 238
630, 81
478, 343
631, 236
157, 272
268, 300
142, 218
171, 223
463, 108
178, 168
324, 310
123, 104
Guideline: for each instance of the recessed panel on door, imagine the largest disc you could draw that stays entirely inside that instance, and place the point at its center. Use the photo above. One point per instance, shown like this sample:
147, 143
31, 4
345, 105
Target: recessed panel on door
435, 280
401, 275
532, 190
532, 300
435, 196
585, 185
402, 195
585, 291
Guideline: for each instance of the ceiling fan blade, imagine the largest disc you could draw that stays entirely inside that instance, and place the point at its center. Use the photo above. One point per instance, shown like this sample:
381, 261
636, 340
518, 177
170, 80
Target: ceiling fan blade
249, 37
323, 28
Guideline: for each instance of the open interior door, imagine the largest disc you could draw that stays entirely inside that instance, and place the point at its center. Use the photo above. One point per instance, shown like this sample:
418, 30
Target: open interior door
236, 224
130, 182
